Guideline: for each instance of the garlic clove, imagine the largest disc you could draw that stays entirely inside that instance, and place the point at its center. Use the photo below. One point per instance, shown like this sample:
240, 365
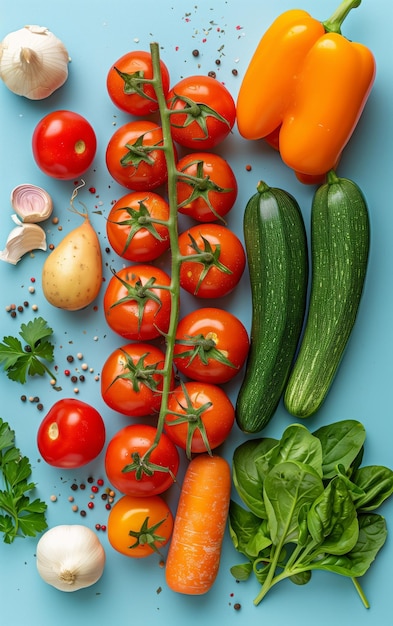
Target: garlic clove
31, 203
22, 239
33, 62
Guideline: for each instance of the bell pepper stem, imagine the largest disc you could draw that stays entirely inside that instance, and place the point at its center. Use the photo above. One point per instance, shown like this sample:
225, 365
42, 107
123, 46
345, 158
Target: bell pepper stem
334, 23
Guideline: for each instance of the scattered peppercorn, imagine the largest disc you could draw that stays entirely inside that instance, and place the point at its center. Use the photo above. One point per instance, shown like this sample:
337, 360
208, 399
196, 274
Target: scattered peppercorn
83, 513
235, 72
237, 606
212, 74
195, 53
70, 358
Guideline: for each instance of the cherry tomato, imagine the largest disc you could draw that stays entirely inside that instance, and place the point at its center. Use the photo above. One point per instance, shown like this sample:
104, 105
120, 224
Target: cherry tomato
134, 157
207, 190
135, 304
130, 471
131, 381
71, 434
126, 86
207, 112
200, 417
132, 229
64, 144
139, 527
211, 345
220, 266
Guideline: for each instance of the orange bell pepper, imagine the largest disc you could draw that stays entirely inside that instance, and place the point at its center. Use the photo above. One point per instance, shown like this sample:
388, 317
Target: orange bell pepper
305, 89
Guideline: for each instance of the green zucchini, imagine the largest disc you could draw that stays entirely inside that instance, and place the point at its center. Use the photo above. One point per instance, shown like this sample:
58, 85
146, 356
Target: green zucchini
340, 241
276, 247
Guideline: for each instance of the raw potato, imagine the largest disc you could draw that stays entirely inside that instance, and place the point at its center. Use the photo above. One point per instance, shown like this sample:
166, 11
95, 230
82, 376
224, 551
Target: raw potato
72, 273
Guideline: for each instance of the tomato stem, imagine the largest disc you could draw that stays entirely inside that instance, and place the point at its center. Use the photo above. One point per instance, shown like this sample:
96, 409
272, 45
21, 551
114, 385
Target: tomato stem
172, 225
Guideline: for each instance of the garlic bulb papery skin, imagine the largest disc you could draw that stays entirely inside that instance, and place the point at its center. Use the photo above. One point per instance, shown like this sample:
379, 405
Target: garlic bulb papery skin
33, 62
70, 557
22, 239
32, 204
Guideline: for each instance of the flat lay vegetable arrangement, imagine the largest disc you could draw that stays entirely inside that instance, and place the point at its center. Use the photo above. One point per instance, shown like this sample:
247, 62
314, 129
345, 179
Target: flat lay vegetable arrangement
181, 378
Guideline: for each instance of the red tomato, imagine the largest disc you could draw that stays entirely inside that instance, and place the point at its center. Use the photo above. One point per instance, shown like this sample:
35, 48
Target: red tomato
131, 381
144, 476
207, 112
208, 189
132, 229
134, 156
211, 345
200, 417
64, 144
139, 527
135, 305
71, 434
126, 86
220, 266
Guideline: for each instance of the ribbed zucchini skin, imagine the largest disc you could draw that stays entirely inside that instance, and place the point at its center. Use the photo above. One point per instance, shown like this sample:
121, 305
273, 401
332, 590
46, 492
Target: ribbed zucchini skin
276, 247
340, 241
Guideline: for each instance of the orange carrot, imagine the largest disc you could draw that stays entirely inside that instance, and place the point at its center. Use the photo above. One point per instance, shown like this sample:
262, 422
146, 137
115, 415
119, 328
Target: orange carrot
200, 522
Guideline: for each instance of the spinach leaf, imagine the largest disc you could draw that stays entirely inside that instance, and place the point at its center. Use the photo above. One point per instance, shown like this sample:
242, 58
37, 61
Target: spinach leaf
372, 536
341, 444
376, 482
287, 488
248, 532
332, 520
298, 444
249, 468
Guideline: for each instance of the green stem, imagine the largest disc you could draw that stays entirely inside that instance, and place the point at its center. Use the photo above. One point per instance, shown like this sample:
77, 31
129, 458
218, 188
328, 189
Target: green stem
360, 592
334, 23
172, 225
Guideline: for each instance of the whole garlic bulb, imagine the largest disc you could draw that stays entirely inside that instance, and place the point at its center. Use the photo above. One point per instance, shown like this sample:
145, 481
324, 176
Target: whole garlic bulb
33, 62
70, 557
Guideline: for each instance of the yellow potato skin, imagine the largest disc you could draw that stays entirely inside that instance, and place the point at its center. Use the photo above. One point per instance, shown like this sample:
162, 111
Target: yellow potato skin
72, 273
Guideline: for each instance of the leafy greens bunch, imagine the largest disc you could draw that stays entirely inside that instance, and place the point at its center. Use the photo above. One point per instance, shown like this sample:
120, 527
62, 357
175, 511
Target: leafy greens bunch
20, 515
310, 505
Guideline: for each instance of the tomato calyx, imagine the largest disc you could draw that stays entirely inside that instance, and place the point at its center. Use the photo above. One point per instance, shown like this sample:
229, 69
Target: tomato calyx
141, 465
138, 218
133, 82
197, 112
192, 416
138, 152
138, 372
203, 347
207, 256
146, 535
139, 293
201, 187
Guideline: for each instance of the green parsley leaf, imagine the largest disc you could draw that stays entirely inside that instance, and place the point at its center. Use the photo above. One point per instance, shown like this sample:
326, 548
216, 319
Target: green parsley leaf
21, 516
20, 361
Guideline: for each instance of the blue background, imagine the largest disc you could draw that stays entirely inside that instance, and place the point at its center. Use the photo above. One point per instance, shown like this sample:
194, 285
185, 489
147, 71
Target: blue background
96, 34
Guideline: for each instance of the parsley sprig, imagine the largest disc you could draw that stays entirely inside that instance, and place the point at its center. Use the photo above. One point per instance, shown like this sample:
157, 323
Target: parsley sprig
21, 361
19, 515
